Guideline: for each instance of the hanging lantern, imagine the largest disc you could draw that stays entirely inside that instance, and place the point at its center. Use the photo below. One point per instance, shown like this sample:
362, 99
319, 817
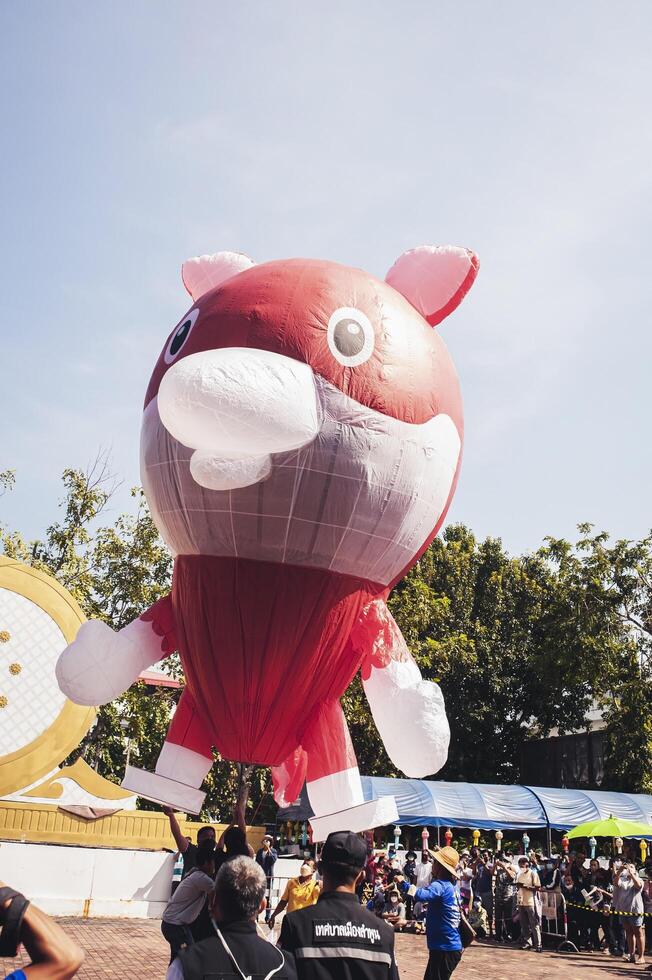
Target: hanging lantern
592, 844
619, 845
448, 836
526, 842
499, 839
565, 844
643, 846
476, 838
425, 837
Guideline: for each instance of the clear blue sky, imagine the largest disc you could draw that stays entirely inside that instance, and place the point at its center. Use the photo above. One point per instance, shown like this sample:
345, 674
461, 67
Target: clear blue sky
137, 134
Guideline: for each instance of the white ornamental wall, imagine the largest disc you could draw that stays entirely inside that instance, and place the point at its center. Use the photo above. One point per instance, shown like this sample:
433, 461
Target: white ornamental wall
89, 881
97, 881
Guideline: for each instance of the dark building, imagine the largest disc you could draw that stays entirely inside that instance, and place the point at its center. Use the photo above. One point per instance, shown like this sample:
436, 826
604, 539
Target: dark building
573, 761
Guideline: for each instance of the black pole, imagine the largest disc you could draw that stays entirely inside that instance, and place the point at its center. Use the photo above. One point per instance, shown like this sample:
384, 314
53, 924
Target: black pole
548, 831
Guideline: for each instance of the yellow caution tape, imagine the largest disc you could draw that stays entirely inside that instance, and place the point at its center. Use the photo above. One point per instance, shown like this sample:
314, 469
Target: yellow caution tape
612, 911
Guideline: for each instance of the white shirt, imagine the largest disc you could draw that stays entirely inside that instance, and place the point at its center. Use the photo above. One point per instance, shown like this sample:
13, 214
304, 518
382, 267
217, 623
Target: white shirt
188, 900
424, 874
466, 879
524, 896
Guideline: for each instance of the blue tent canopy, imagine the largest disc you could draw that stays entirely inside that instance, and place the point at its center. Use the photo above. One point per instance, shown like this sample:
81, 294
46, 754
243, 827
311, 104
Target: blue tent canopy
487, 807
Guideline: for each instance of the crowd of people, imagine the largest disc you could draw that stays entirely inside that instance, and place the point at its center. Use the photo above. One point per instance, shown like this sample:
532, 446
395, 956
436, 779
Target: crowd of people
597, 904
607, 903
340, 914
591, 904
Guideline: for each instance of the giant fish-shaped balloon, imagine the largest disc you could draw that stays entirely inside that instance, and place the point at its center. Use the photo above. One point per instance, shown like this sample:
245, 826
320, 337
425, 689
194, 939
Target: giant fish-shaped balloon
301, 442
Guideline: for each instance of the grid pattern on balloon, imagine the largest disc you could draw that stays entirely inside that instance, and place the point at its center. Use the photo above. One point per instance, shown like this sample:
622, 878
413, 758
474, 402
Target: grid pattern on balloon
360, 499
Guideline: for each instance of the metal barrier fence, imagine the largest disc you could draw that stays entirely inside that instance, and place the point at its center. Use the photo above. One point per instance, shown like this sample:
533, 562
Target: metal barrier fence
553, 917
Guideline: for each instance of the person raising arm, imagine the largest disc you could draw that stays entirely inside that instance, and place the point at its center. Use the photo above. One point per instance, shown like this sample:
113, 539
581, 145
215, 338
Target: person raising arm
186, 848
628, 900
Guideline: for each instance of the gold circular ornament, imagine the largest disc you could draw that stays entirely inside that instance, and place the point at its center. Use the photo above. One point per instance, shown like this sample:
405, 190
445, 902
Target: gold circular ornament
39, 726
5, 636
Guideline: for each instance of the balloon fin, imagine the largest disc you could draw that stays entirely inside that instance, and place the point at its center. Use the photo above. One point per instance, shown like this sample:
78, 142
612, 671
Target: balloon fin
434, 278
205, 272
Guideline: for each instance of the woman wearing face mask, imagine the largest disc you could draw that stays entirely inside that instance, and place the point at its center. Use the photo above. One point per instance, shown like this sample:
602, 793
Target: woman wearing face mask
628, 901
394, 910
574, 899
615, 931
378, 898
299, 892
549, 875
594, 893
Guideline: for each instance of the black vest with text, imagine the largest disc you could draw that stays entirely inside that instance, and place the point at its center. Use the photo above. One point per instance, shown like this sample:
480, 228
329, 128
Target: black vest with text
337, 939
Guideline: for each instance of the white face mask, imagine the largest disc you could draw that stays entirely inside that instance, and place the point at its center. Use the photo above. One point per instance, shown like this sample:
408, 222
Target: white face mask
306, 870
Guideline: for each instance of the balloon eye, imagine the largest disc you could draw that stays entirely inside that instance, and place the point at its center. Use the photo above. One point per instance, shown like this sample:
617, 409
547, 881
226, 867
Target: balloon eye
180, 336
350, 337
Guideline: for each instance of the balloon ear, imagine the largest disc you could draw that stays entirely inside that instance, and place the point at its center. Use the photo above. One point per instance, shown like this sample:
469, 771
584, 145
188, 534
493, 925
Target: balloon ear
434, 278
208, 271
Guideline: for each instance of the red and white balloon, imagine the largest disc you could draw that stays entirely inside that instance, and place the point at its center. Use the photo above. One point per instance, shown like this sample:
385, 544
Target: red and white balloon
301, 442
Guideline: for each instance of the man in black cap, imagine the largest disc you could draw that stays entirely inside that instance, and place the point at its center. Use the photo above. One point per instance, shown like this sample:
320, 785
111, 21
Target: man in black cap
337, 939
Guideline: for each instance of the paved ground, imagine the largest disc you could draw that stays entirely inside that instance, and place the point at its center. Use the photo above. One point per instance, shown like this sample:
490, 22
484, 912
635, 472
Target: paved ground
491, 962
125, 948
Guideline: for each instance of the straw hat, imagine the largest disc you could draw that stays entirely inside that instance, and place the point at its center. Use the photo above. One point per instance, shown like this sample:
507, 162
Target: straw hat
448, 858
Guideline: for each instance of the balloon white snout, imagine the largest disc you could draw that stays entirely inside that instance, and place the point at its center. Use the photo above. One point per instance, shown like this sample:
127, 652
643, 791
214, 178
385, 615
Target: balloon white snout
235, 406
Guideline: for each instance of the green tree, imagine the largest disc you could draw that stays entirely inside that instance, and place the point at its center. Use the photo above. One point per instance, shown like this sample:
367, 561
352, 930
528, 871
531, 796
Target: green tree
609, 585
524, 645
480, 621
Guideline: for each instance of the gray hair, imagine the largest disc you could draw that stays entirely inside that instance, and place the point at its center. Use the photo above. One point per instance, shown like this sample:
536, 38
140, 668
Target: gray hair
240, 888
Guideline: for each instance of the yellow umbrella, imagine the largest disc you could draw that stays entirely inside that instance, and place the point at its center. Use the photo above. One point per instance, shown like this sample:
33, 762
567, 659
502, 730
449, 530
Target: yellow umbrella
611, 827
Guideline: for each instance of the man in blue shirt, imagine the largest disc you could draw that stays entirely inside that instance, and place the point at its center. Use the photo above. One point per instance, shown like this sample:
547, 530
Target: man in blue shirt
443, 917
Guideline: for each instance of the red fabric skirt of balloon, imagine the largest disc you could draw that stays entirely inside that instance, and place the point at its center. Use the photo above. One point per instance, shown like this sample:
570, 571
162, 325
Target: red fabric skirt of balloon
263, 646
